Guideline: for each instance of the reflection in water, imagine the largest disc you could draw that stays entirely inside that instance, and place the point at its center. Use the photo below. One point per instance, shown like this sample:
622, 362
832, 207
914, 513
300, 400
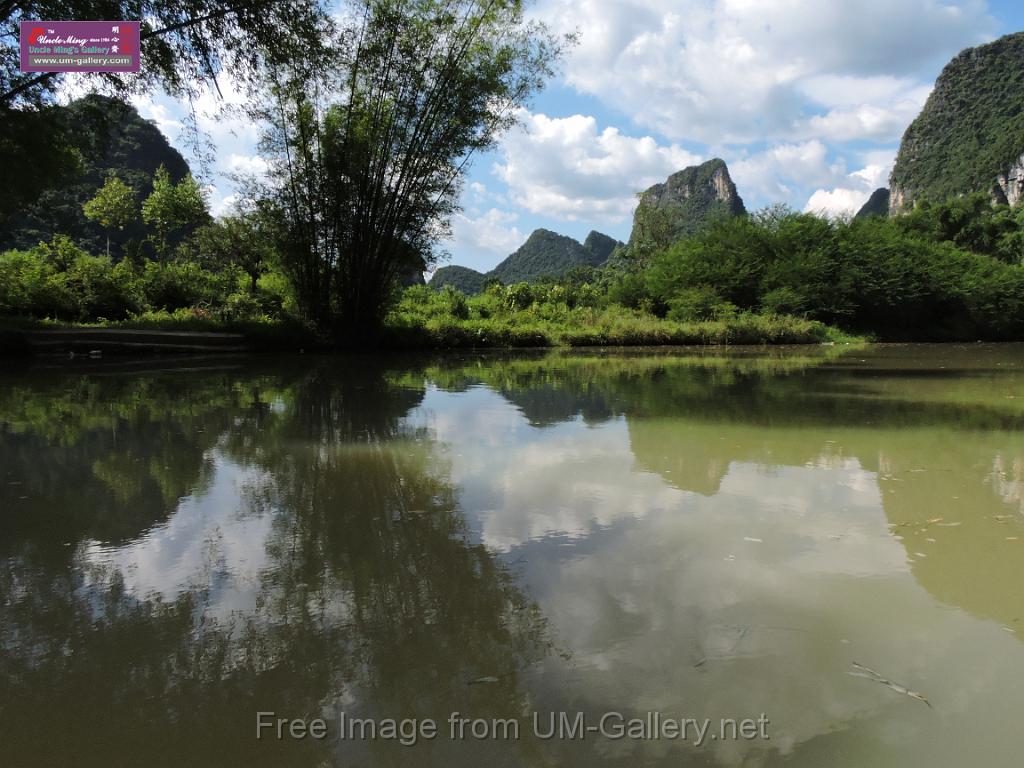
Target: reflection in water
314, 559
700, 534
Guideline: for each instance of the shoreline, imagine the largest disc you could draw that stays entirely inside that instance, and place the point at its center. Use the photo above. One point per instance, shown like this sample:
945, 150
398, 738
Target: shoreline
26, 338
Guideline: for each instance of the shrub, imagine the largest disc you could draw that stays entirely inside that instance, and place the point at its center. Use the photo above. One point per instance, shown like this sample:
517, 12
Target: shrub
101, 290
783, 301
185, 284
519, 296
699, 303
629, 289
454, 302
23, 277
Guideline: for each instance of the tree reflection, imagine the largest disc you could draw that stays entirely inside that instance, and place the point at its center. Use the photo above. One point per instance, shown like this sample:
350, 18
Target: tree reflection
374, 597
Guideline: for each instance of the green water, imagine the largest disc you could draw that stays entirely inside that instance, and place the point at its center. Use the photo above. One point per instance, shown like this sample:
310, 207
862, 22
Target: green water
695, 534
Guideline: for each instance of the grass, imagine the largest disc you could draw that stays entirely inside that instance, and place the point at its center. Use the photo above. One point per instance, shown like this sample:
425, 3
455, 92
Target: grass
480, 322
263, 335
476, 324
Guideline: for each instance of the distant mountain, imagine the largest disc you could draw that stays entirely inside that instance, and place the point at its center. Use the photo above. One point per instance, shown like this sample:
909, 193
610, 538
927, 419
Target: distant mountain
549, 253
877, 205
685, 202
467, 280
970, 135
544, 254
119, 140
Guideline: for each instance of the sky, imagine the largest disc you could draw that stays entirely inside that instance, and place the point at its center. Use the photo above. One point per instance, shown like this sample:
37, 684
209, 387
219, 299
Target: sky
806, 100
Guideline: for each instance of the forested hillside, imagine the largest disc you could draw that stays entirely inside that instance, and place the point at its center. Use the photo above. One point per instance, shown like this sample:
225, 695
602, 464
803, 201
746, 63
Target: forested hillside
970, 135
118, 141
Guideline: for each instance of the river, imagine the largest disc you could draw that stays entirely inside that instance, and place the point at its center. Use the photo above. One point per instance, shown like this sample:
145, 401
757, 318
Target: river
805, 557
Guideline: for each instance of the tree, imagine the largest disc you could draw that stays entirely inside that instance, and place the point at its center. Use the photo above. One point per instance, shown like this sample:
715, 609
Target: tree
113, 207
236, 240
184, 43
171, 207
185, 46
364, 183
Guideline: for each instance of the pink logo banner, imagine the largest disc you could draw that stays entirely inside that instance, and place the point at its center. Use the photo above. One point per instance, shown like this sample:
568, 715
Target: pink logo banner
80, 46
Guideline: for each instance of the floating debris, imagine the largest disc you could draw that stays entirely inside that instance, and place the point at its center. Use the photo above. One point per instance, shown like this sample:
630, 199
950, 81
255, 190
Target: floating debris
752, 539
861, 671
483, 680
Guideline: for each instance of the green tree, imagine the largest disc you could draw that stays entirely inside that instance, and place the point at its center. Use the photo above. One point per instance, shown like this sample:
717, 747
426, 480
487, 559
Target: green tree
236, 240
171, 207
185, 46
365, 180
113, 207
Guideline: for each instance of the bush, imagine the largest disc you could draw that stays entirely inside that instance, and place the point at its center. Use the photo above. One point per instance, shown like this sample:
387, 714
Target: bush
783, 301
700, 303
901, 279
101, 290
178, 285
25, 287
241, 306
454, 302
519, 296
59, 280
629, 289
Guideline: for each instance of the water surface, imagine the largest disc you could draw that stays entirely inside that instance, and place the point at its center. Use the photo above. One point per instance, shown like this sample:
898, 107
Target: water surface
702, 534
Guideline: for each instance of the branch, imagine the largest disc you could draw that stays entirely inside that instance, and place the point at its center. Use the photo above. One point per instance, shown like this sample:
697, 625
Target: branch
7, 9
209, 17
42, 77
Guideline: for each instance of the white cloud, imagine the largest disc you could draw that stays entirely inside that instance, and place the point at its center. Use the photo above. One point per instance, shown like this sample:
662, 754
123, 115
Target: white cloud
567, 168
849, 90
732, 71
865, 109
780, 171
246, 164
492, 235
220, 203
855, 190
169, 125
217, 116
863, 122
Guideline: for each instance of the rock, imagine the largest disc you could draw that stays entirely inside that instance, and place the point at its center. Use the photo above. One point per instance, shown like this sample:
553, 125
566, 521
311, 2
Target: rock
600, 246
969, 138
1009, 188
685, 202
877, 205
544, 254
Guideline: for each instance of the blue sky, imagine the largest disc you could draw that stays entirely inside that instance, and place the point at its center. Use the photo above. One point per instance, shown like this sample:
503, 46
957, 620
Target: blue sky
806, 100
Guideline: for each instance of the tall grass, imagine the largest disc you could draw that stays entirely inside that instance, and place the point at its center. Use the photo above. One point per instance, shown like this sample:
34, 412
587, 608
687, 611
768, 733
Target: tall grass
446, 319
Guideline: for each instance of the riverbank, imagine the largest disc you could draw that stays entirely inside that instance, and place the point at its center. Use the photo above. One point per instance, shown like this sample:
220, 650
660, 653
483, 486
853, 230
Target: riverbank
20, 337
607, 328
